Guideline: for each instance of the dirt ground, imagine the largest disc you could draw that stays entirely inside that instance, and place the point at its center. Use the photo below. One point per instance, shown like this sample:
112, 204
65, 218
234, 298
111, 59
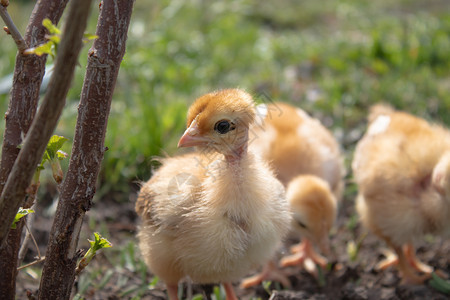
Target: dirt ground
346, 280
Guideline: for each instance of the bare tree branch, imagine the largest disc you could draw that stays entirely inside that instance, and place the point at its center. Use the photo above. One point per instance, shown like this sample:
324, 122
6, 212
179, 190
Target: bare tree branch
88, 149
12, 29
28, 74
46, 119
39, 260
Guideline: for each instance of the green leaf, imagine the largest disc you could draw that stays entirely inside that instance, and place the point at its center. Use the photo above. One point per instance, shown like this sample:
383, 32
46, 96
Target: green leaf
99, 242
90, 37
217, 293
41, 50
52, 151
50, 27
53, 41
53, 146
440, 284
266, 285
20, 214
153, 283
54, 38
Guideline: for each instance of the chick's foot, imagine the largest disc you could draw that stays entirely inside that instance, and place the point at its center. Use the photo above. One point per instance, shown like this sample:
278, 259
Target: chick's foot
269, 272
304, 255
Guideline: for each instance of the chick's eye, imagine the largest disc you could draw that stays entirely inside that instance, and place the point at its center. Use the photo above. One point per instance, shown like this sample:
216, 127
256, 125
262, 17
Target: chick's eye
224, 126
301, 224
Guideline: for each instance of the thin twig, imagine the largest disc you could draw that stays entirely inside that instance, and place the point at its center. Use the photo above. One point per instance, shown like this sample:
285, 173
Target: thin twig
31, 263
40, 258
34, 241
28, 235
12, 29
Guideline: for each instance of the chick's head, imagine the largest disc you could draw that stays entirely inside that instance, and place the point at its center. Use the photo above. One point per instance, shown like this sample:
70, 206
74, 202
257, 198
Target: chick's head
314, 208
220, 120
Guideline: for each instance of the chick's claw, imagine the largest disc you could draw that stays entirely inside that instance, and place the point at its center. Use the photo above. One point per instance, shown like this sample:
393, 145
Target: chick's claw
408, 264
304, 252
390, 260
229, 291
271, 273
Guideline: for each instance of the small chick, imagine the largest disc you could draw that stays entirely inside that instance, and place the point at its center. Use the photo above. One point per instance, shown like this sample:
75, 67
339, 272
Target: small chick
402, 168
217, 212
307, 160
295, 143
314, 212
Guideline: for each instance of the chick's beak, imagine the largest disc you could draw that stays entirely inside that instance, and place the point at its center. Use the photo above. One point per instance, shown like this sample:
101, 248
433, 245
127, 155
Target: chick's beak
192, 137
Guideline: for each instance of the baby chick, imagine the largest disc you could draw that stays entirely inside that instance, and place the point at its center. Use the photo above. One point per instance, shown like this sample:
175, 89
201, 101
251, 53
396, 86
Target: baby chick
217, 212
307, 160
295, 143
402, 168
314, 212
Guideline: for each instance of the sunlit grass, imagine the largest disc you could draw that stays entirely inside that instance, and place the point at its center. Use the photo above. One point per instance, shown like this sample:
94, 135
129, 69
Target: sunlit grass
334, 59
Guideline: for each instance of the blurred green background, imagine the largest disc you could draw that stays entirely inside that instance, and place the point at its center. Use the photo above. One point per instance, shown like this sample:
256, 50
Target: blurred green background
332, 58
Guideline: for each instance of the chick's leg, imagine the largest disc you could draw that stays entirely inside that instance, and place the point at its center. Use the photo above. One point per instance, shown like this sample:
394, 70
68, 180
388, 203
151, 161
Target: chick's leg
410, 254
303, 251
269, 272
408, 271
390, 260
229, 291
172, 291
408, 264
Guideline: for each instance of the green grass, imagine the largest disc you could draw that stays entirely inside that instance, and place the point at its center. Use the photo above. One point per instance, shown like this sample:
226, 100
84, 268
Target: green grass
333, 58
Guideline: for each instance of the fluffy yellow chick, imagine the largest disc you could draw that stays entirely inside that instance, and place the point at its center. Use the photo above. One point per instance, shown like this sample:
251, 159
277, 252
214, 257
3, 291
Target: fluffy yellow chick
307, 160
402, 168
295, 144
314, 212
215, 213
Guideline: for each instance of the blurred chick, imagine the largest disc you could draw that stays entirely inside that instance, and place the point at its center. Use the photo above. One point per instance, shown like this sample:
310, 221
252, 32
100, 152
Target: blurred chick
217, 212
314, 213
402, 168
307, 160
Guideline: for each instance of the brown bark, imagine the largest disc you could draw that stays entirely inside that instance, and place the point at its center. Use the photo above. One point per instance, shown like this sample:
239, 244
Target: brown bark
46, 119
28, 74
29, 70
88, 149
